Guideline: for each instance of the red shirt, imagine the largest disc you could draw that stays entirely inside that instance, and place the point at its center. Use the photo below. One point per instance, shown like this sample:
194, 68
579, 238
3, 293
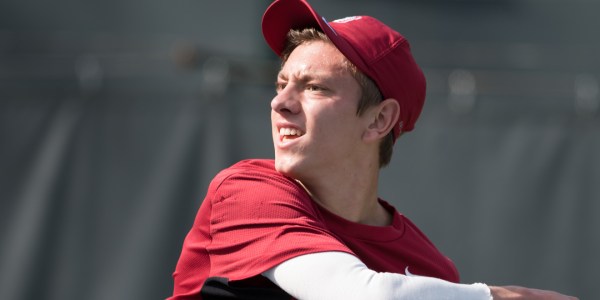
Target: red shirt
254, 218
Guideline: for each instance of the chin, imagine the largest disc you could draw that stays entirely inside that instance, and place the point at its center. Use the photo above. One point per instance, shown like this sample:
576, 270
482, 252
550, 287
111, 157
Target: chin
282, 166
287, 166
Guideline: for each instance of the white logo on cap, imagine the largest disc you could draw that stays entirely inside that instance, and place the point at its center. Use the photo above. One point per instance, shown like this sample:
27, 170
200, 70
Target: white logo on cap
347, 19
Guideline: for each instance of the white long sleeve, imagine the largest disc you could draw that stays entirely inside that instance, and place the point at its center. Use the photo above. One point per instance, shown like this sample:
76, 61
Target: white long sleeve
338, 275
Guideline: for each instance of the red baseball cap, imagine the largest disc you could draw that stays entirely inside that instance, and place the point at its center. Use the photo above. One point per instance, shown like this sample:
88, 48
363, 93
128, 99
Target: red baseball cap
374, 48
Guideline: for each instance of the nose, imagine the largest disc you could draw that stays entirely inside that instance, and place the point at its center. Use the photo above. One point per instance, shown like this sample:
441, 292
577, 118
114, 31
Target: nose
286, 101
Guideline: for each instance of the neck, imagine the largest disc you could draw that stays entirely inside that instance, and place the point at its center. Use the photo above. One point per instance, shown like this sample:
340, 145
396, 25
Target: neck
351, 195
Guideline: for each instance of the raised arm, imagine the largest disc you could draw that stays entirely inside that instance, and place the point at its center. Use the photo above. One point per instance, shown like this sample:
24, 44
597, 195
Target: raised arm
338, 275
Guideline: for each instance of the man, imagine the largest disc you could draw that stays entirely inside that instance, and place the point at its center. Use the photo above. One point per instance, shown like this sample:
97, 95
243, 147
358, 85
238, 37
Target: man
309, 225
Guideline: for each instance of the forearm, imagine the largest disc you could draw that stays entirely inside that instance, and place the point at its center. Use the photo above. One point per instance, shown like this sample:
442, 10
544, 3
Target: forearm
337, 275
518, 292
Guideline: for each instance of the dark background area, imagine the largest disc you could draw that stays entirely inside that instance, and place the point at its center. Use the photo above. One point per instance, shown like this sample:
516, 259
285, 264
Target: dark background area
115, 115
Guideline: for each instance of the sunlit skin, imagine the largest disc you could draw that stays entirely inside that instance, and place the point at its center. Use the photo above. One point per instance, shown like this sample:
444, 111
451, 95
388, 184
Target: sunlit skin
324, 143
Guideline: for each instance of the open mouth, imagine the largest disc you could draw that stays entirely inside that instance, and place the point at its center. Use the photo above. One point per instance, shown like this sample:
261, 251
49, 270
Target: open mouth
289, 133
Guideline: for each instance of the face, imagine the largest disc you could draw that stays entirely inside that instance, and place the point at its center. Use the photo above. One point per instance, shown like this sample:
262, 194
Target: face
316, 129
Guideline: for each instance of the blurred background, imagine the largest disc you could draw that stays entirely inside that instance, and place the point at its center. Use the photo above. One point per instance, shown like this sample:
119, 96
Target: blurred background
115, 115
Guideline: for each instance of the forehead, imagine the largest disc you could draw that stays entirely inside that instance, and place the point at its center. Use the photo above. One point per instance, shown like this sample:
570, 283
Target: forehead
315, 57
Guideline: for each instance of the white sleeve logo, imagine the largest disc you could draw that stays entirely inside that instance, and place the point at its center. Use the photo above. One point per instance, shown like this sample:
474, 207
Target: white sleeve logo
408, 273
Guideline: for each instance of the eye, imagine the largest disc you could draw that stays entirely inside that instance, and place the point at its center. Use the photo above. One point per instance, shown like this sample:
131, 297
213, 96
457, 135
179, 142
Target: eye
314, 88
279, 86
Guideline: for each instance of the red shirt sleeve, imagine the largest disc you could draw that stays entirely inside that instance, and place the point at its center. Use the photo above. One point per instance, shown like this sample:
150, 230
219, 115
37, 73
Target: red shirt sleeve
260, 219
252, 219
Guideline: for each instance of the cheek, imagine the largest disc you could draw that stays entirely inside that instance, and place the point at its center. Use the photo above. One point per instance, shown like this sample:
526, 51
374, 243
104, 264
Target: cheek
332, 129
340, 117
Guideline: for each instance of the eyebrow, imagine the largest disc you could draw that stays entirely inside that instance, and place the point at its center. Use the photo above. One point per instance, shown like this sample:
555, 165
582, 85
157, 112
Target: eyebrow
303, 76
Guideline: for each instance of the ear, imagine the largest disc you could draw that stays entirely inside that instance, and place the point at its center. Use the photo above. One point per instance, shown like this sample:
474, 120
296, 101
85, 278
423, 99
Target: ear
382, 119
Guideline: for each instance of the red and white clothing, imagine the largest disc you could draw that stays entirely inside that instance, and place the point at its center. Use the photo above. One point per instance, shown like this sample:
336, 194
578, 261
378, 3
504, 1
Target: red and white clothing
253, 219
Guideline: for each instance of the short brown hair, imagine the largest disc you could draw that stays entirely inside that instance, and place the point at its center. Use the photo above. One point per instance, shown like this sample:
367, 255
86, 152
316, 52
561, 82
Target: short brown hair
370, 93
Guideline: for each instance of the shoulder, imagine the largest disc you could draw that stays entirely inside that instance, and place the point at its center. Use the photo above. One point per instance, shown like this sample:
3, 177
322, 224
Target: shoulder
249, 167
254, 189
255, 179
252, 173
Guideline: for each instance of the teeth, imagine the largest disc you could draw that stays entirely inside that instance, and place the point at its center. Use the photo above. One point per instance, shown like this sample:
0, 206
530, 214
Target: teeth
289, 131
